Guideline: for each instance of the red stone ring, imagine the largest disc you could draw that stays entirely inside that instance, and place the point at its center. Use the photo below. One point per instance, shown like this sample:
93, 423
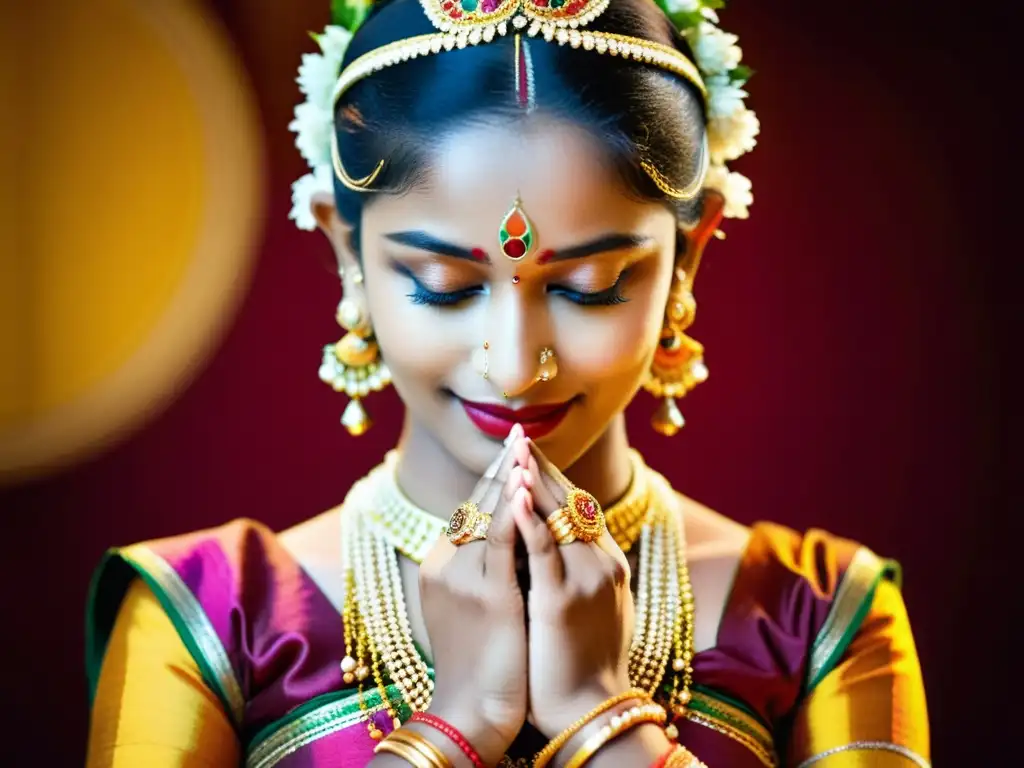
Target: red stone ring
581, 518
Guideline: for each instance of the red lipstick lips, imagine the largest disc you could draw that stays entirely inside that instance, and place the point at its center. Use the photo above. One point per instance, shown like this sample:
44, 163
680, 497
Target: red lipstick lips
497, 420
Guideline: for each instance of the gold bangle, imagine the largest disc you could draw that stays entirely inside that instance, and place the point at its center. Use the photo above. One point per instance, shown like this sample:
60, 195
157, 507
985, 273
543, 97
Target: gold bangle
545, 755
422, 745
410, 755
681, 757
618, 725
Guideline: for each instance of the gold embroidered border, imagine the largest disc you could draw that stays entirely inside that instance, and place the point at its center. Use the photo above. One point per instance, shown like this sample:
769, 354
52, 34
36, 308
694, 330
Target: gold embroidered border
730, 716
323, 721
857, 585
194, 621
767, 757
877, 746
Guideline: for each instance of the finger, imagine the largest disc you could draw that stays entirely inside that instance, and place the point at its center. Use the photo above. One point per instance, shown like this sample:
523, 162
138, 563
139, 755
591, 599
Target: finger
613, 557
522, 451
513, 484
547, 496
438, 557
505, 453
545, 561
548, 474
500, 544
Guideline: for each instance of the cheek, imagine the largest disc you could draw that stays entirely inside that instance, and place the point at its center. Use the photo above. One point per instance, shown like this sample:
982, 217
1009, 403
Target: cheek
618, 344
419, 344
613, 345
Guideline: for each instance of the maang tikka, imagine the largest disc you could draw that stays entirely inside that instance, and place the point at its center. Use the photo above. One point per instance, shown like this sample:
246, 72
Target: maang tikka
353, 364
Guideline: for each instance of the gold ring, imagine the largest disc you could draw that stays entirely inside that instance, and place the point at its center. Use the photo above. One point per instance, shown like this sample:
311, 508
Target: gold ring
581, 518
468, 524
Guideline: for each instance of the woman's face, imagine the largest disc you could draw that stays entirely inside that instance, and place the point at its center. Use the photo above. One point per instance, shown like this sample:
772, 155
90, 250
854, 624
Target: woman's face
448, 306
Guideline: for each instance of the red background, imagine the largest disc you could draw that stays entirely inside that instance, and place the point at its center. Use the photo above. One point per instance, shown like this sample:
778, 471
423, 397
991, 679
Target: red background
850, 327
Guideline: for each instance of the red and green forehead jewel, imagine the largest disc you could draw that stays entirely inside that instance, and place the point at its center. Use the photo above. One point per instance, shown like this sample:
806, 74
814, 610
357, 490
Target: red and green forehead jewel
493, 10
516, 234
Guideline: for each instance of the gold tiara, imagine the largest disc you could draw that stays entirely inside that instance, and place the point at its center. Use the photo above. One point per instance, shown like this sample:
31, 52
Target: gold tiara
462, 23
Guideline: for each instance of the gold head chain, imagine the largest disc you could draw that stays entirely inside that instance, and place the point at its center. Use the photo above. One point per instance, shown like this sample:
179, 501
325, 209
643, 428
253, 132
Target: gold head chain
462, 23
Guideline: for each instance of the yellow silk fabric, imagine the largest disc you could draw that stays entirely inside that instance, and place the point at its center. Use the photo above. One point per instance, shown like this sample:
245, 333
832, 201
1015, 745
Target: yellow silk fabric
152, 707
874, 696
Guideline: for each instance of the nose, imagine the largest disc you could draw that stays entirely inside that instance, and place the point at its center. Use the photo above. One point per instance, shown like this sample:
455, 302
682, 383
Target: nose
516, 334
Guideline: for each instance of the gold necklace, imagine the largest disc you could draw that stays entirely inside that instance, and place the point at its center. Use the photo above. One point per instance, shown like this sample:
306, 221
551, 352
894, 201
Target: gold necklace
378, 635
413, 531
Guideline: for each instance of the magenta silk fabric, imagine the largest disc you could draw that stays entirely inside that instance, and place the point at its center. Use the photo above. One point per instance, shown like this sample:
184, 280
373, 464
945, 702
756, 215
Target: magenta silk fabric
284, 637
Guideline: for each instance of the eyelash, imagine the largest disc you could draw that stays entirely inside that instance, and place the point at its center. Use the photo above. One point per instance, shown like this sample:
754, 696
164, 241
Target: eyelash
424, 296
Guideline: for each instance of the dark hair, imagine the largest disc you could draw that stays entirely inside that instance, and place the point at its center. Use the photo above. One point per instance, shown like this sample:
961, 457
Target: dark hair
636, 111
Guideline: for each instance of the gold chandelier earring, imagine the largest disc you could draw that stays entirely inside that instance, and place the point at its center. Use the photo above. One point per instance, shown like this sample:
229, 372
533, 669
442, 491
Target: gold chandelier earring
353, 365
678, 364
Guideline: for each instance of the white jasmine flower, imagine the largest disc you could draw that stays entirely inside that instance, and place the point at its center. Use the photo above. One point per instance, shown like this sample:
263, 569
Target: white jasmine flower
735, 187
312, 126
682, 6
716, 51
733, 135
321, 180
724, 96
334, 41
316, 78
710, 14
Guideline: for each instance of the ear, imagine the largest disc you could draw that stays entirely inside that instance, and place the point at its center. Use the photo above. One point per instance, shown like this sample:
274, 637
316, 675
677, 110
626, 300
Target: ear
697, 238
337, 231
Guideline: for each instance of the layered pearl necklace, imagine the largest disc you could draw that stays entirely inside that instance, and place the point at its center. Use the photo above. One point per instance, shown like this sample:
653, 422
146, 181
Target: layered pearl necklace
378, 522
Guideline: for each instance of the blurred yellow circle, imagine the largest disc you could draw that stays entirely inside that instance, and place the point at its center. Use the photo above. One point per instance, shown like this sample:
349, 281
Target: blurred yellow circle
131, 199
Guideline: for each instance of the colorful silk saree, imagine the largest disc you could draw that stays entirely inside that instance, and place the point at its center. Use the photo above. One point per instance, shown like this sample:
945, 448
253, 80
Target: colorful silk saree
216, 649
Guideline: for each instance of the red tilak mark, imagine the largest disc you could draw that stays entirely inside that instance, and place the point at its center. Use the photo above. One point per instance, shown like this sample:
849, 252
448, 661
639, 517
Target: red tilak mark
545, 256
479, 254
524, 91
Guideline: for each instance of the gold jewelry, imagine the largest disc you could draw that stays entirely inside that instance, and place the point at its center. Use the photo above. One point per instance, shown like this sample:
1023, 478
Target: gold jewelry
544, 756
548, 365
581, 518
406, 751
468, 524
376, 519
681, 757
691, 190
678, 364
432, 757
487, 365
457, 28
353, 364
618, 725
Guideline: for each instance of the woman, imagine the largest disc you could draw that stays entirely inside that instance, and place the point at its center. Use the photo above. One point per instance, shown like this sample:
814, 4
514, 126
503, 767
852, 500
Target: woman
518, 193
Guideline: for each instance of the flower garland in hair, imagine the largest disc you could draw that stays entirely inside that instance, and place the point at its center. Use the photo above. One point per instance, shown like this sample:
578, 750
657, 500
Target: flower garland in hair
732, 127
314, 118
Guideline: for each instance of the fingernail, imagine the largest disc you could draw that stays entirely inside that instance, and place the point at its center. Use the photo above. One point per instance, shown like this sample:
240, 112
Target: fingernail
527, 478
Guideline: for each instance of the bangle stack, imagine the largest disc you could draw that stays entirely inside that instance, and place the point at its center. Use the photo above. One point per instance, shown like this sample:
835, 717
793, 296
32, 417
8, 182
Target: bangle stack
618, 725
452, 733
647, 711
414, 749
545, 755
678, 757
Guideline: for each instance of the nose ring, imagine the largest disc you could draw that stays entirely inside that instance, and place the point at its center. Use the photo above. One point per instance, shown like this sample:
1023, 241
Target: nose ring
548, 365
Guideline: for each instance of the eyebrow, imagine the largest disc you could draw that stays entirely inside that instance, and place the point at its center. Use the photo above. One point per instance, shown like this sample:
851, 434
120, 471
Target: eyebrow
427, 242
602, 244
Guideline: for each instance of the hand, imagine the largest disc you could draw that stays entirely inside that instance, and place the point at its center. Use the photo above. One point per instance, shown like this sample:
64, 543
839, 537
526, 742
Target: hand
580, 609
475, 617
